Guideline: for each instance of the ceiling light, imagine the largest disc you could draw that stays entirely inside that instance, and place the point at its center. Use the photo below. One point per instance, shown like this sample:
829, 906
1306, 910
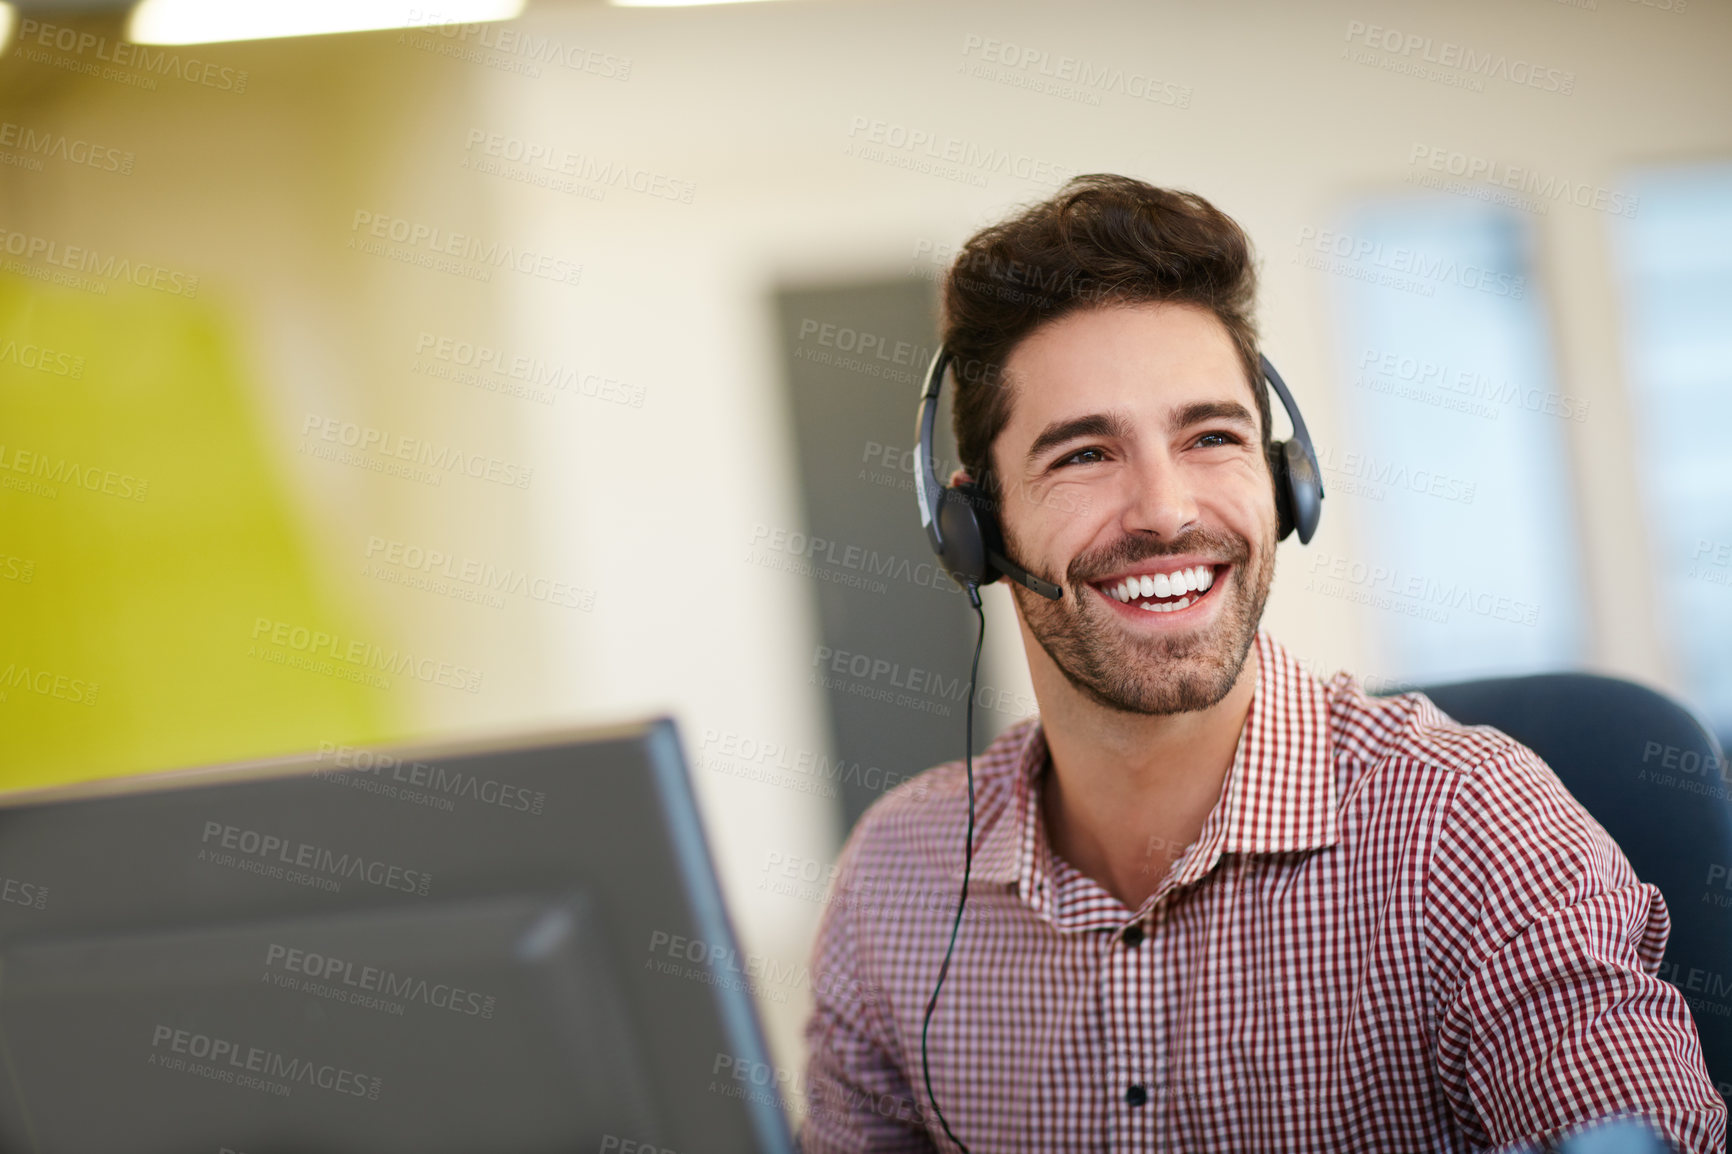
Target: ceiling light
207, 21
671, 3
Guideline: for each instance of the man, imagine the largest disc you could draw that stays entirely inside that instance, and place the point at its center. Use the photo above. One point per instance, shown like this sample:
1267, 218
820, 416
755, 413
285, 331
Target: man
1216, 903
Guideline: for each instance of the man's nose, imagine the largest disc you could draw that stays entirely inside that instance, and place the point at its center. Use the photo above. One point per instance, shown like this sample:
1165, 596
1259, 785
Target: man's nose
1161, 500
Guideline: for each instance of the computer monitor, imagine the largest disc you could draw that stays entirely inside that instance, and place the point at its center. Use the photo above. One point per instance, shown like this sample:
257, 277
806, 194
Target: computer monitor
442, 950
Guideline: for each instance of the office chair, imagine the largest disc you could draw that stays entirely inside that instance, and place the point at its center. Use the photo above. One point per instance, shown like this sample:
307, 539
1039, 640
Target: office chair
1656, 779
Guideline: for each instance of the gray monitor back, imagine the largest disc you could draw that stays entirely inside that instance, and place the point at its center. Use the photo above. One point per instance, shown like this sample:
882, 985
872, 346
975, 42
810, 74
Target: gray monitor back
436, 950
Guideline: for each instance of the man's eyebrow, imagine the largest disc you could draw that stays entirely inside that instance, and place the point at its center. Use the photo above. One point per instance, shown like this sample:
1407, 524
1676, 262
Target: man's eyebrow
1089, 425
1201, 411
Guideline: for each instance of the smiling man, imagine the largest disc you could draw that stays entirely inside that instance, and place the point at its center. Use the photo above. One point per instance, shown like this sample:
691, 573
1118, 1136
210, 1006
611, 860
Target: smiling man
1216, 903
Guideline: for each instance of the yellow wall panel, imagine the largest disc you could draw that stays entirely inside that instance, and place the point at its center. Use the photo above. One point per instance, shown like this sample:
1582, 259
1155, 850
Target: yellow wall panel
150, 552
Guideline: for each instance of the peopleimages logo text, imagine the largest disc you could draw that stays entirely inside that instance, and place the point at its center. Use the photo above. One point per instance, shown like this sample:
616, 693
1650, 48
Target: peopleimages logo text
159, 61
59, 146
438, 778
365, 655
304, 855
228, 1059
1372, 253
378, 980
435, 240
81, 259
1449, 54
511, 41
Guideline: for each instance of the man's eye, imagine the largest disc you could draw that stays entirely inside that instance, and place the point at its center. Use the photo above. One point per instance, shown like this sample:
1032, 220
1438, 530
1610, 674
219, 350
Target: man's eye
1076, 458
1212, 440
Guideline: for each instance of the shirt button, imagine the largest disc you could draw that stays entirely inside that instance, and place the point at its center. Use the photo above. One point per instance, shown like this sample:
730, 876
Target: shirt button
1133, 935
1137, 1094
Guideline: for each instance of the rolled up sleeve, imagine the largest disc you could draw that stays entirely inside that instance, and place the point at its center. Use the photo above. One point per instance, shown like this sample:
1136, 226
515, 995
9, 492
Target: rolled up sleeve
1545, 950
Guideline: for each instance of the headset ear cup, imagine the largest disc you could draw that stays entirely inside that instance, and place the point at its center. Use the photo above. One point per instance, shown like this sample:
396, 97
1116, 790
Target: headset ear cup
1304, 489
1283, 489
1293, 467
982, 533
959, 519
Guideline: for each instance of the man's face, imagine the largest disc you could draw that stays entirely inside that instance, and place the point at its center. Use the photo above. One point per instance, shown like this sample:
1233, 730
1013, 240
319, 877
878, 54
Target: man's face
1133, 454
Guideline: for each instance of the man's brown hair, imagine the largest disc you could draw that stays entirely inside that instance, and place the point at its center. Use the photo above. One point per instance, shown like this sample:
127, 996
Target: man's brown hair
1102, 240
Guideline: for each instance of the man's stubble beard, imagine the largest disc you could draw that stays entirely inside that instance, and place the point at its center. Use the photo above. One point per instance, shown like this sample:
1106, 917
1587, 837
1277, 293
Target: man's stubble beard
1122, 671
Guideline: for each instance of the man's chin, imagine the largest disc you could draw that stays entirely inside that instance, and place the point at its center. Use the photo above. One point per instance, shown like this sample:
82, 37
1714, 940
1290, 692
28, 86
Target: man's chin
1174, 685
1181, 670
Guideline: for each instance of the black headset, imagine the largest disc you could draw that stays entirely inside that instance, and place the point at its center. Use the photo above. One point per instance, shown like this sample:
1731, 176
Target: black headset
963, 529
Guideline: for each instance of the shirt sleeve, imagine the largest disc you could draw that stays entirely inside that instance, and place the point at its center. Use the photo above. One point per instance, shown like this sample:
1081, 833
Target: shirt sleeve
1544, 951
857, 1095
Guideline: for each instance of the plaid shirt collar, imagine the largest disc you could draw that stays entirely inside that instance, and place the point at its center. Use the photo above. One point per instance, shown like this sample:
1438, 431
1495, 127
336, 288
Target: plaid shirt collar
1279, 795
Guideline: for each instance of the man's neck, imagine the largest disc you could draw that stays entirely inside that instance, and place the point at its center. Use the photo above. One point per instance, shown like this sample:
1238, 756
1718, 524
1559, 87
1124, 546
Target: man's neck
1128, 793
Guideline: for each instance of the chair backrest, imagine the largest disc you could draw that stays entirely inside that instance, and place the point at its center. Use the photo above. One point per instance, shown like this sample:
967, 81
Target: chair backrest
1656, 779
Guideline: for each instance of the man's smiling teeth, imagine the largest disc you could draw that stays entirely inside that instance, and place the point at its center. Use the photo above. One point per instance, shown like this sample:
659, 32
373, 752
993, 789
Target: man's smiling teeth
1180, 584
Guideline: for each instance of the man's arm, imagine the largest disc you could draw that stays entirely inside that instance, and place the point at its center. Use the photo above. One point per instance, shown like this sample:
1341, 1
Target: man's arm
857, 1096
1543, 950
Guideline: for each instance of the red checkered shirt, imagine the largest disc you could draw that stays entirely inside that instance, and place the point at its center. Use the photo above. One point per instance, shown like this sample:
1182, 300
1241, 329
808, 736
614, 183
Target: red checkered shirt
1394, 933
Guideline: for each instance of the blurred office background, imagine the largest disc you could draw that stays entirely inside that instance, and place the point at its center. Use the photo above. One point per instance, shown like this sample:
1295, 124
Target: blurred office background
474, 378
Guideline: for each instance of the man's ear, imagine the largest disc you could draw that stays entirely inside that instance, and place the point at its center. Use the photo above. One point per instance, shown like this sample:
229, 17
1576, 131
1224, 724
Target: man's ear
960, 477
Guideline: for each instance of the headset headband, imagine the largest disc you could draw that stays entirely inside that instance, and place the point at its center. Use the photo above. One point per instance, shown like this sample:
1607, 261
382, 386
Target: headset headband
1300, 432
926, 482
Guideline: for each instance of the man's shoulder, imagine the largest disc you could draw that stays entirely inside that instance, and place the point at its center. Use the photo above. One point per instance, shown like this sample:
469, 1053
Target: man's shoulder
1381, 740
1411, 731
1483, 781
